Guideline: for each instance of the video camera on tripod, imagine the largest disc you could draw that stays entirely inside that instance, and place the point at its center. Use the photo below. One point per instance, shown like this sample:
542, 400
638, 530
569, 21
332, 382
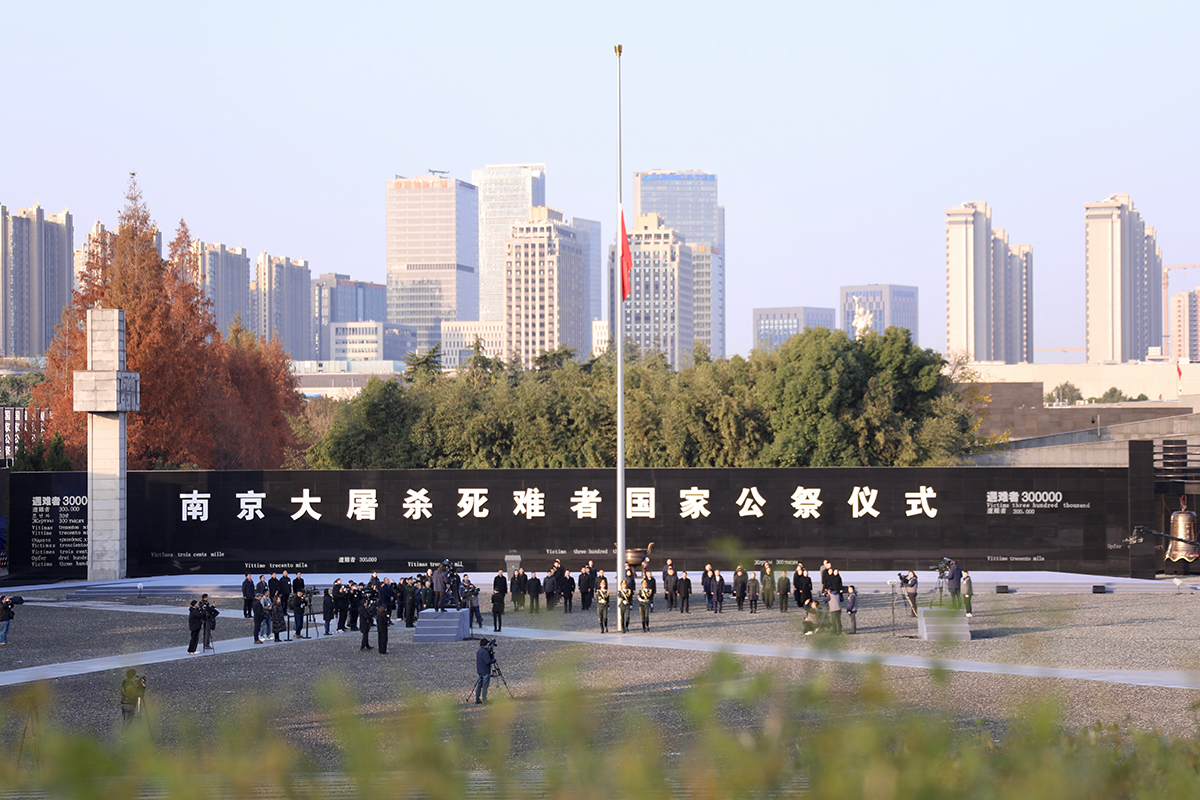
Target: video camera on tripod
942, 568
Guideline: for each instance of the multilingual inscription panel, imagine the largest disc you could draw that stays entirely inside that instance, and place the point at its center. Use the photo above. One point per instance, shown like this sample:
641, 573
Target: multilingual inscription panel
48, 524
399, 520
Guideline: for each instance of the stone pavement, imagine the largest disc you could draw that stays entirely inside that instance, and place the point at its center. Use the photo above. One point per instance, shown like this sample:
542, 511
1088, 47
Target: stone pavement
1173, 679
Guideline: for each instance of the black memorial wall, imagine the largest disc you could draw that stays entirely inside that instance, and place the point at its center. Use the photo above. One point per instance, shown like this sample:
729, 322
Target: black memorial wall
398, 521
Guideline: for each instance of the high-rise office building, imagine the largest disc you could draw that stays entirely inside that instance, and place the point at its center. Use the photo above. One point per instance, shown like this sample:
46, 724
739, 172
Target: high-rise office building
687, 202
1124, 282
1185, 326
36, 277
774, 326
544, 288
93, 245
224, 275
989, 297
432, 254
888, 304
591, 242
508, 193
282, 304
337, 298
658, 315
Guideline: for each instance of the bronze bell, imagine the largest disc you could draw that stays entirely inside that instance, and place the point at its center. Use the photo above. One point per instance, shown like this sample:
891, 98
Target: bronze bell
1183, 526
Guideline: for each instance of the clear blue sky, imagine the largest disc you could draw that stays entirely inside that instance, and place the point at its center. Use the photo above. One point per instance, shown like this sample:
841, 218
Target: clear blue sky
840, 132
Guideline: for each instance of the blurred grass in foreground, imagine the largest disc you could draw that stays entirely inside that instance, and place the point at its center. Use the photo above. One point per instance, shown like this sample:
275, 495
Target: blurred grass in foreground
866, 745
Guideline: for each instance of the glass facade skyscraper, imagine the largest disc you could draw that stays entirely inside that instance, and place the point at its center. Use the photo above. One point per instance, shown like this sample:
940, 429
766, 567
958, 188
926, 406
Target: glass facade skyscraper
687, 203
508, 193
432, 254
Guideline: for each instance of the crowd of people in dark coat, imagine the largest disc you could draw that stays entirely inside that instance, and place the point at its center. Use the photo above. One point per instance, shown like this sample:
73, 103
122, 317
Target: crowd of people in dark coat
282, 604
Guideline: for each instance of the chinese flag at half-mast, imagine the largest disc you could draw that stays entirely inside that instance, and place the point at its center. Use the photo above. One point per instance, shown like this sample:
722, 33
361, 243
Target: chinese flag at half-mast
626, 261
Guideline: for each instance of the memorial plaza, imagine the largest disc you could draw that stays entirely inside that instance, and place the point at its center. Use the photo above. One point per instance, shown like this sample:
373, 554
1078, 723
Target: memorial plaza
1127, 657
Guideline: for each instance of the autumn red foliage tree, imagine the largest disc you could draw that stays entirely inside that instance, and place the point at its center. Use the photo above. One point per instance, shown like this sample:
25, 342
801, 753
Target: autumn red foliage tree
206, 401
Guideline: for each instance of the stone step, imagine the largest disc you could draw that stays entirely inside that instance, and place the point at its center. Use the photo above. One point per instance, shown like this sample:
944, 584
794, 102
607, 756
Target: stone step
939, 624
452, 625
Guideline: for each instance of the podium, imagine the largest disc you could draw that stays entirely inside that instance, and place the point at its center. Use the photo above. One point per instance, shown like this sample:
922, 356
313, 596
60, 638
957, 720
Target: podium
944, 625
451, 625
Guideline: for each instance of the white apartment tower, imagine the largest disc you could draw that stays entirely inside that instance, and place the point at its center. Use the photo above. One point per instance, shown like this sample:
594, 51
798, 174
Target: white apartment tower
508, 193
1124, 282
591, 242
282, 304
432, 242
989, 298
687, 203
658, 315
225, 278
36, 277
544, 282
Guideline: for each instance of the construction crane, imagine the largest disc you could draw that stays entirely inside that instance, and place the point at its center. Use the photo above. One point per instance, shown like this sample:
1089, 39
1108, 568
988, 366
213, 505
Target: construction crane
1167, 303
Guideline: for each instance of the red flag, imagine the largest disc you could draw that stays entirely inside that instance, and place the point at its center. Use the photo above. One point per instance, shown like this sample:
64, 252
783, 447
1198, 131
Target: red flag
1179, 370
626, 261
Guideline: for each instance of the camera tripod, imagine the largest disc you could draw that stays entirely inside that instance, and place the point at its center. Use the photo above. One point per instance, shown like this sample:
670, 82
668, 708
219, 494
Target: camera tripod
206, 636
496, 673
893, 585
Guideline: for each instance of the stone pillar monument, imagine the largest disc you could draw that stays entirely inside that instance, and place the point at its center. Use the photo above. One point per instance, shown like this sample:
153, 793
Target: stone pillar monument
106, 392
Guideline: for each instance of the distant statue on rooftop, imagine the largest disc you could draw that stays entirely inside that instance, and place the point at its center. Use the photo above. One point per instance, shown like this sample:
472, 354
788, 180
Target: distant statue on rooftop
863, 319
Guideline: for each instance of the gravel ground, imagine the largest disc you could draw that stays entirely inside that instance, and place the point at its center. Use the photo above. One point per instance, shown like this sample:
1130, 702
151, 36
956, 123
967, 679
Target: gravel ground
1150, 632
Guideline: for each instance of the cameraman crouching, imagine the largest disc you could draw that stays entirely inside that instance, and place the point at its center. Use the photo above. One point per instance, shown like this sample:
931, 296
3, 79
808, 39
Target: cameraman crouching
485, 656
133, 689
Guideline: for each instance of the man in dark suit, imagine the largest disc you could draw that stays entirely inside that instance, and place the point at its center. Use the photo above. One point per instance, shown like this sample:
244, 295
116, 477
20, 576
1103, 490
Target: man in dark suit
785, 587
683, 588
535, 593
298, 584
285, 585
195, 619
247, 596
670, 584
273, 586
499, 585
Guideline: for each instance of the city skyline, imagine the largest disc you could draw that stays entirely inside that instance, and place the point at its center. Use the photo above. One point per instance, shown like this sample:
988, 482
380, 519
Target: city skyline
856, 112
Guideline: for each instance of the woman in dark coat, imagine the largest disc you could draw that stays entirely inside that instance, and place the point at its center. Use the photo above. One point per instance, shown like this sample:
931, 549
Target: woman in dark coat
278, 615
768, 585
328, 610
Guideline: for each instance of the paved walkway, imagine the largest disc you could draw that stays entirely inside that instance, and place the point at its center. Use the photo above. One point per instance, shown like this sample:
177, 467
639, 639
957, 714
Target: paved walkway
1169, 679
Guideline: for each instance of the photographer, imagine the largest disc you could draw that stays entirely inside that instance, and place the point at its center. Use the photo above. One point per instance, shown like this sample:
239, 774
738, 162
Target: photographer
6, 615
910, 590
133, 689
208, 618
471, 595
485, 656
297, 605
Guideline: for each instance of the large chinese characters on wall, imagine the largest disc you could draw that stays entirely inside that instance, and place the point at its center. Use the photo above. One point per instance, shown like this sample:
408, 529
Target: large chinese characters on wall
399, 521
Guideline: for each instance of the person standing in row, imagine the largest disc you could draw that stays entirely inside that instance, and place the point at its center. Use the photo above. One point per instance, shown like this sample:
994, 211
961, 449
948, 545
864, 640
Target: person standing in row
706, 583
602, 605
328, 612
645, 597
785, 587
752, 592
624, 597
535, 593
278, 615
247, 597
852, 609
566, 590
768, 585
718, 591
806, 587
740, 586
381, 627
684, 590
586, 585
671, 586
519, 584
797, 583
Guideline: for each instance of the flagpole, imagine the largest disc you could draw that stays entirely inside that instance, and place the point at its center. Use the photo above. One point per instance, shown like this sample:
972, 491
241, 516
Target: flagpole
617, 335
